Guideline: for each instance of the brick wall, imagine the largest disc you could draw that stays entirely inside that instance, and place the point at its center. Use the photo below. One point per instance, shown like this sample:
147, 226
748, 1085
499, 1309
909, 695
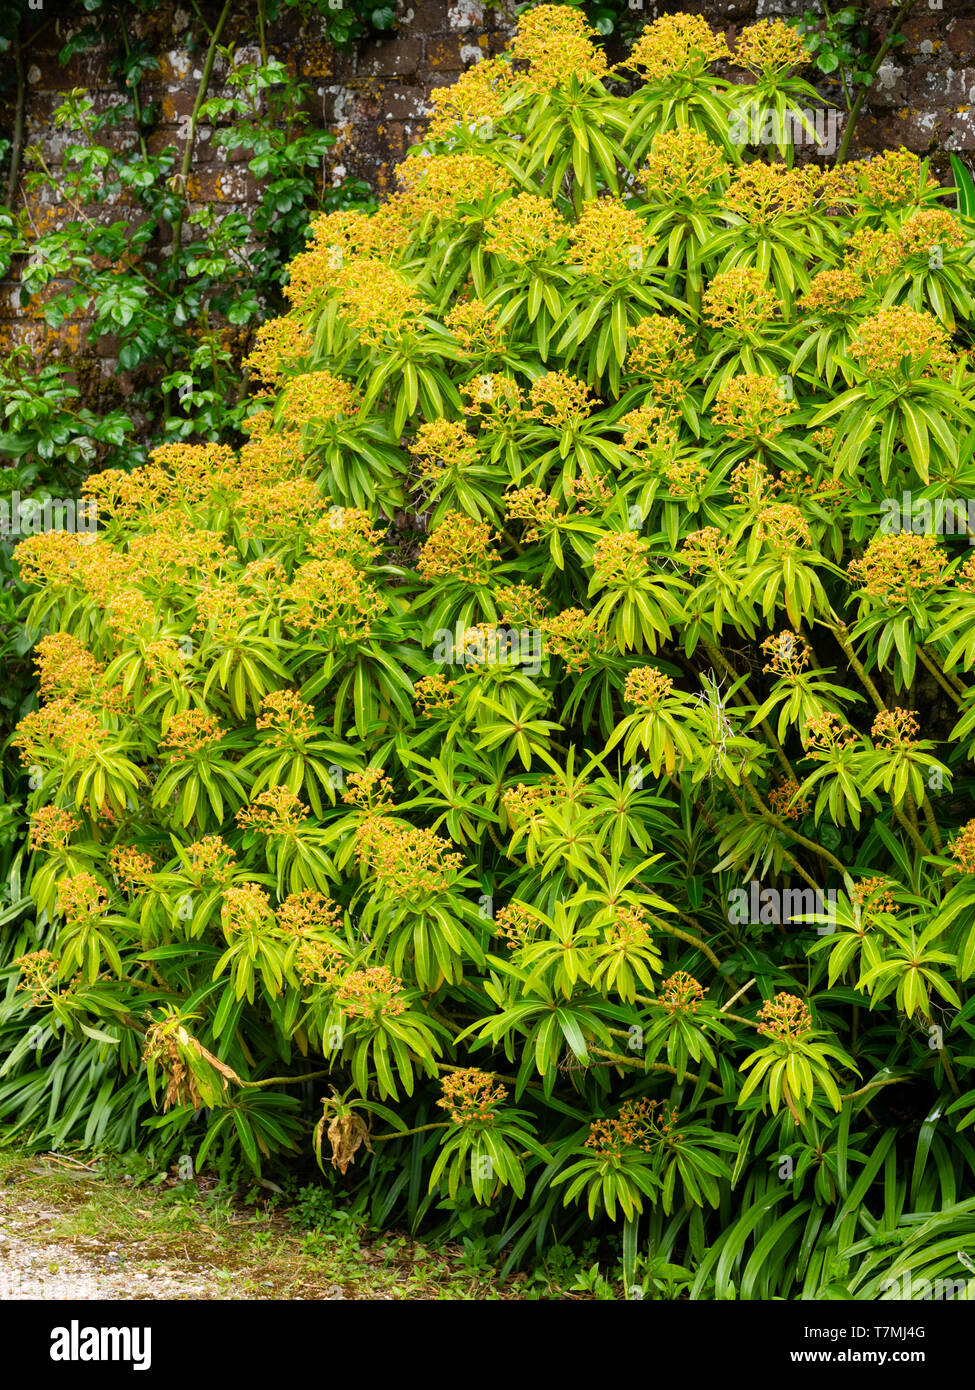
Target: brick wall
374, 99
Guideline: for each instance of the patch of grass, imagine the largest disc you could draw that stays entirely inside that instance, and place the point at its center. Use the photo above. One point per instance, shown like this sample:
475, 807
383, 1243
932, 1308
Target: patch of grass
119, 1210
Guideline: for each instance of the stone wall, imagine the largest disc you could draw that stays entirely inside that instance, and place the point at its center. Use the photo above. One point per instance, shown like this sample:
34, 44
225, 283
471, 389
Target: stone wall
375, 98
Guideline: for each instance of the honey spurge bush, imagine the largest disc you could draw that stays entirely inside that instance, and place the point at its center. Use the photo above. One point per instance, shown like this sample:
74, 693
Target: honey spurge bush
538, 740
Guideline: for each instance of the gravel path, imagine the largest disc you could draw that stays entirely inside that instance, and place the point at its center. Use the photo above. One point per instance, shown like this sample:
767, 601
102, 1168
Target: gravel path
68, 1232
32, 1266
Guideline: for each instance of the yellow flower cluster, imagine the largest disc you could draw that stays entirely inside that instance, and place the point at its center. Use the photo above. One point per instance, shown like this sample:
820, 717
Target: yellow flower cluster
210, 861
965, 575
871, 253
51, 828
685, 476
246, 908
787, 652
760, 193
895, 728
444, 446
189, 733
167, 558
129, 613
785, 1017
315, 396
318, 963
460, 548
372, 992
677, 45
706, 549
188, 472
752, 484
132, 868
81, 898
103, 573
65, 666
495, 401
339, 238
522, 604
274, 459
280, 346
434, 184
825, 733
682, 167
471, 1096
475, 100
309, 911
901, 339
782, 525
524, 804
260, 423
893, 179
640, 1124
569, 635
311, 276
872, 895
587, 494
61, 729
621, 558
515, 925
116, 494
344, 234
962, 848
647, 688
741, 301
223, 608
476, 328
346, 533
833, 292
524, 229
751, 407
376, 303
609, 241
771, 47
332, 597
50, 559
556, 43
286, 717
662, 347
370, 789
630, 927
435, 692
276, 811
785, 800
123, 495
651, 433
38, 974
681, 993
927, 230
534, 506
562, 401
484, 644
407, 862
894, 566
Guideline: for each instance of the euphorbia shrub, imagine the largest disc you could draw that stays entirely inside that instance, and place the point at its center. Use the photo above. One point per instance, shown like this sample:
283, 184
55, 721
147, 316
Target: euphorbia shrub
606, 851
